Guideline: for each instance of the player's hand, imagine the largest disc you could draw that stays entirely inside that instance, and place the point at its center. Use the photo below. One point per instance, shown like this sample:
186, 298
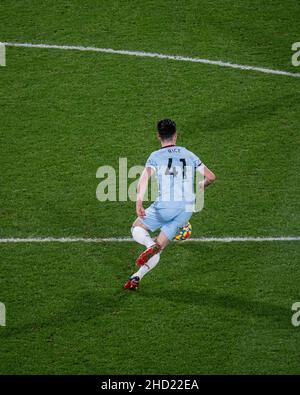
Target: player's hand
140, 209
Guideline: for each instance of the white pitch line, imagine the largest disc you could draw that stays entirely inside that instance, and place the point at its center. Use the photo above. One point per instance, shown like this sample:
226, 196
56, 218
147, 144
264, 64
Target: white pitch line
127, 239
155, 55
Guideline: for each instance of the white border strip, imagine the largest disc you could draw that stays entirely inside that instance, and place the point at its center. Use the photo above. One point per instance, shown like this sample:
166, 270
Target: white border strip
127, 239
155, 55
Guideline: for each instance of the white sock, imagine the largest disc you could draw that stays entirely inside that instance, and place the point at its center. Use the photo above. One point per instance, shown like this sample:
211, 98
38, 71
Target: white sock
147, 266
142, 236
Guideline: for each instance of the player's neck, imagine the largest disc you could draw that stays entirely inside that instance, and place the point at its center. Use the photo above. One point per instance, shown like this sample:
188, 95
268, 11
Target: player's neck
166, 144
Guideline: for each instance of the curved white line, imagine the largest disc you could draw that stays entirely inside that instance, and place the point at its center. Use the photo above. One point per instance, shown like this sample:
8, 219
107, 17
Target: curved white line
155, 55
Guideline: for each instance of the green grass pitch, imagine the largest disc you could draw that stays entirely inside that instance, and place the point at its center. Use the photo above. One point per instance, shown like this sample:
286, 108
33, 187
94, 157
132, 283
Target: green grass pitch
207, 308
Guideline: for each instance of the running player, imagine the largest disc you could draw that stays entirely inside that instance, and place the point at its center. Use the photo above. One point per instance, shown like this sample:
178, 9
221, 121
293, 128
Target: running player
175, 169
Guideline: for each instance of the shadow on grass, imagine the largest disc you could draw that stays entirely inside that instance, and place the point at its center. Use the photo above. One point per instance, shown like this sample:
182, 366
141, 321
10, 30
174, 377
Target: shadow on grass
243, 305
92, 305
245, 113
85, 306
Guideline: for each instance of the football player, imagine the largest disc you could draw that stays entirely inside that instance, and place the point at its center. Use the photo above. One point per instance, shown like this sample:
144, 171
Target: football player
175, 169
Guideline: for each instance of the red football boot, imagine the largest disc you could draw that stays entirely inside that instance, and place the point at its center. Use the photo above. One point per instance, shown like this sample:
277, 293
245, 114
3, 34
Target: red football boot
147, 254
133, 283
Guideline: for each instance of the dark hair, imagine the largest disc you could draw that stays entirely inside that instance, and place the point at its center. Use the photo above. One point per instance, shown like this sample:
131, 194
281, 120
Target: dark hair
166, 129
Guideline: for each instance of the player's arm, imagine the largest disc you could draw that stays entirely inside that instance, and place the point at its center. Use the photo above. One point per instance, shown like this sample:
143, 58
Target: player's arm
141, 190
209, 176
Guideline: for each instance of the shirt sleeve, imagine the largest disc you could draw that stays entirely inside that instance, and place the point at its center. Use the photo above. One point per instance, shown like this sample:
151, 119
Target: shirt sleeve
151, 162
196, 161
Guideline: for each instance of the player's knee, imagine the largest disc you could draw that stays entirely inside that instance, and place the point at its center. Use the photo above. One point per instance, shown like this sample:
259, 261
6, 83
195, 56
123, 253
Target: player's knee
137, 230
162, 241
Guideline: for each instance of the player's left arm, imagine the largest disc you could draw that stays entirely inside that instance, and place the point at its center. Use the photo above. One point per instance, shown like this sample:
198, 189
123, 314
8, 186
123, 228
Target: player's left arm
141, 190
209, 176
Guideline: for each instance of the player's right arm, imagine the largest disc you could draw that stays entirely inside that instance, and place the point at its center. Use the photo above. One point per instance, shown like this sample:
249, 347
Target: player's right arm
209, 176
141, 190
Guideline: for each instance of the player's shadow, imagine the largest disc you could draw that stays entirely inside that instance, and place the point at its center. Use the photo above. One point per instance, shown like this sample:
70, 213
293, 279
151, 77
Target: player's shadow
243, 305
88, 306
85, 306
244, 114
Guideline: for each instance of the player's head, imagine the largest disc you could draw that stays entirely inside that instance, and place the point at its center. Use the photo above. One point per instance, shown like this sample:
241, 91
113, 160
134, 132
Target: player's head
166, 130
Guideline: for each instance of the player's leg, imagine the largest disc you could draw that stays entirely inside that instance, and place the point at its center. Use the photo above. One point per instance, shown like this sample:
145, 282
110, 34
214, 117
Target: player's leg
134, 280
167, 234
160, 244
149, 258
163, 240
140, 233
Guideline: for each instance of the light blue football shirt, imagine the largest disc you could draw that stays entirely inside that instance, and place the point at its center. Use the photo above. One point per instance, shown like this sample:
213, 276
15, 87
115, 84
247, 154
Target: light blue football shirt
175, 172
